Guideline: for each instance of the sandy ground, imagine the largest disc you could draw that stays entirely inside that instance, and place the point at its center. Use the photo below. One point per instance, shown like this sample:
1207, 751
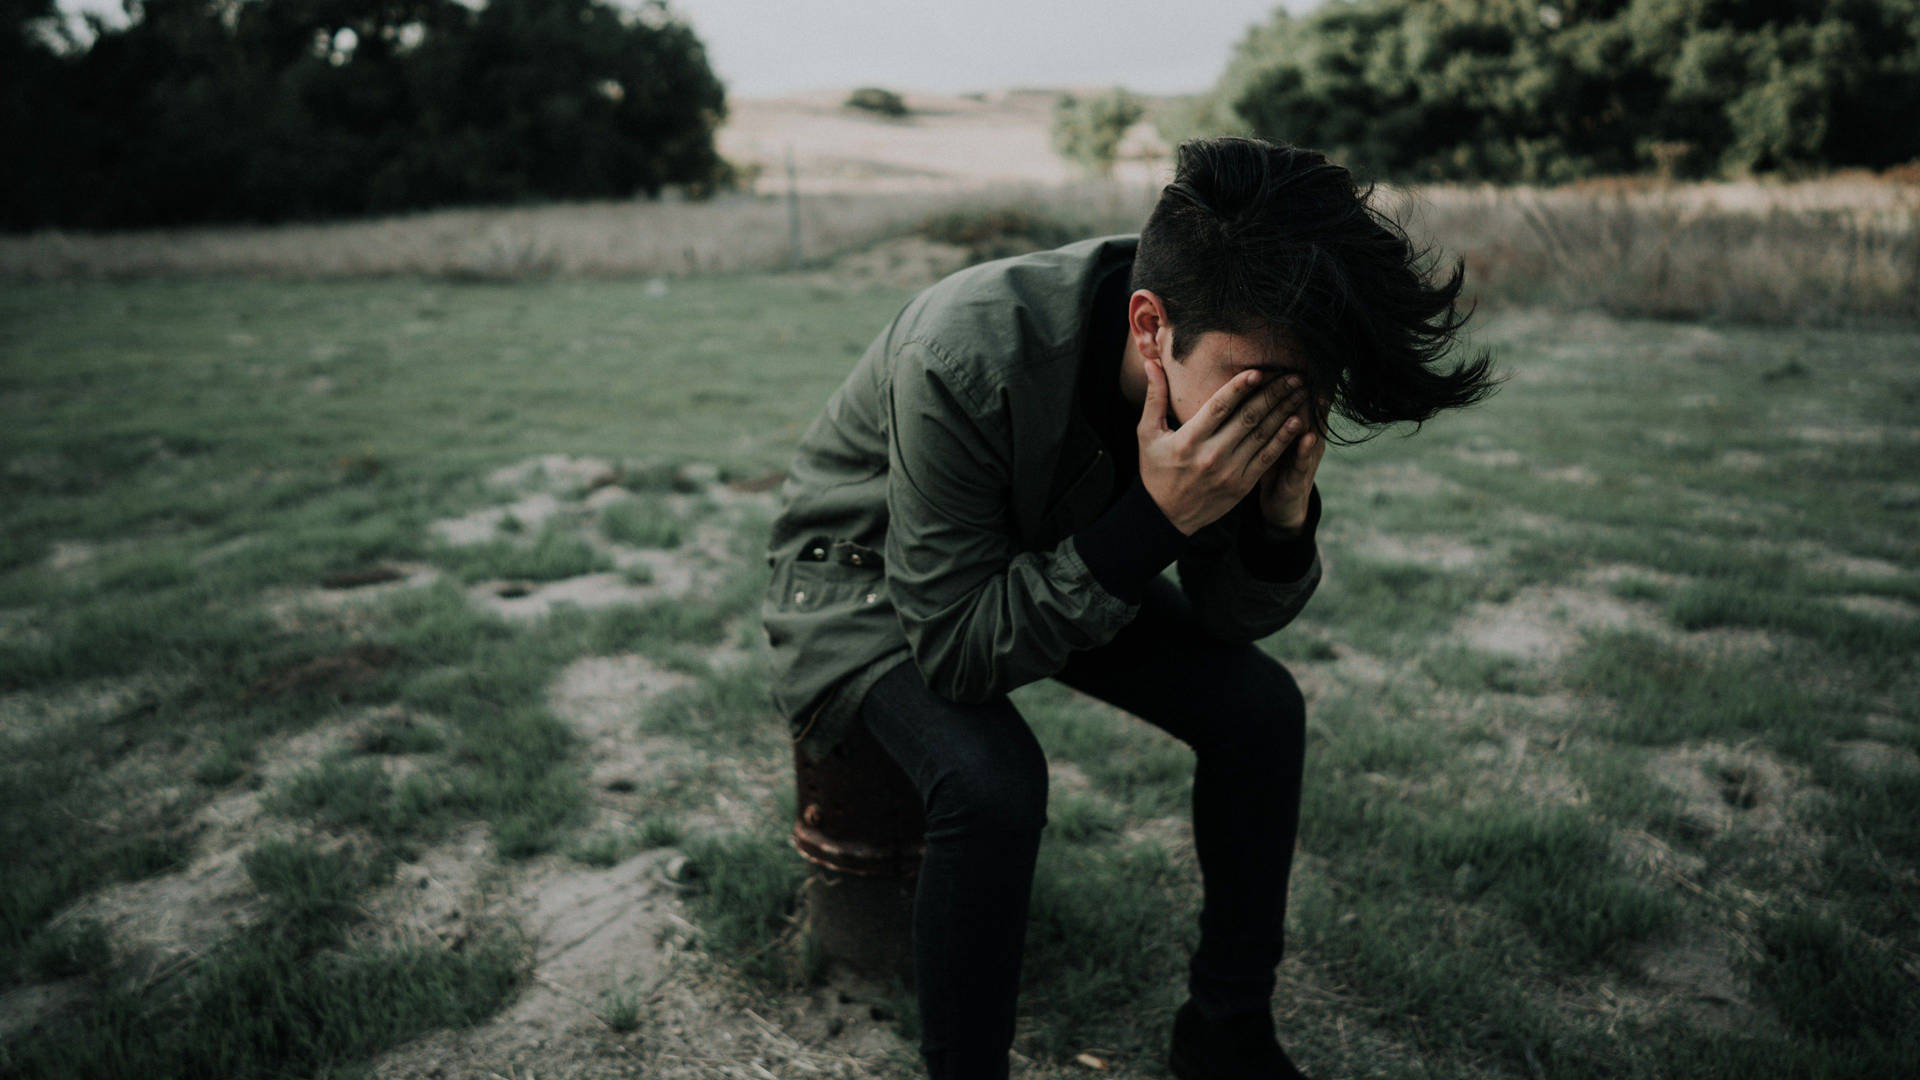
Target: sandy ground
623, 928
945, 142
594, 931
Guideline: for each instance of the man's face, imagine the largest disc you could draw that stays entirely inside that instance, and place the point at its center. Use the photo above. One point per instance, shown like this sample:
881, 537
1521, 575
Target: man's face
1216, 358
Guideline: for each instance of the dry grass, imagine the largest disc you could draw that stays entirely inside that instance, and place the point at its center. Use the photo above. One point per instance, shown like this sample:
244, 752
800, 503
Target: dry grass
1816, 252
669, 238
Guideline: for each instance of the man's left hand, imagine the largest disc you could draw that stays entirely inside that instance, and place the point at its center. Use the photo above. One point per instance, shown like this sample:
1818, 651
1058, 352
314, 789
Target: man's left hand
1285, 488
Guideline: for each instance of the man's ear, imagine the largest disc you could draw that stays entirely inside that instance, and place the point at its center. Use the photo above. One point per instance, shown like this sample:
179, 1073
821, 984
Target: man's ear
1146, 319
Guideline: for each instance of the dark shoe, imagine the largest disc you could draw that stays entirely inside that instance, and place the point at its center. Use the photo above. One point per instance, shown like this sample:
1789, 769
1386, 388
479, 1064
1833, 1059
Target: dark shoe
1240, 1048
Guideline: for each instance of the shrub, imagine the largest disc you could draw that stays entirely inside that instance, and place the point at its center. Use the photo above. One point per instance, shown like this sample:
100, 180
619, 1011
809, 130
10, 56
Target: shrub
875, 100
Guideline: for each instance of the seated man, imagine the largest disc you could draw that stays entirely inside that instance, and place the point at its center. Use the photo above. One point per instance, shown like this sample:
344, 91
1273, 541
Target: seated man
991, 497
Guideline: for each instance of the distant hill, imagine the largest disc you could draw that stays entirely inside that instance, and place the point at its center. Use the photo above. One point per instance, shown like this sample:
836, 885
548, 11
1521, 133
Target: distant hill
945, 141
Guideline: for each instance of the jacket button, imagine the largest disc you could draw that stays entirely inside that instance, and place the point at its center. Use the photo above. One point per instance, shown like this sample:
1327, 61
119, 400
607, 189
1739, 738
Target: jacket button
799, 595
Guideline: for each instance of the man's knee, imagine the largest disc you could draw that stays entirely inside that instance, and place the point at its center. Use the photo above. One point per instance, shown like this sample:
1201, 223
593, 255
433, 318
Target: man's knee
1268, 714
1003, 793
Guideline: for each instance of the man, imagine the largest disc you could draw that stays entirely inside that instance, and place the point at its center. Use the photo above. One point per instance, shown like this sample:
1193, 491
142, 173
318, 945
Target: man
991, 497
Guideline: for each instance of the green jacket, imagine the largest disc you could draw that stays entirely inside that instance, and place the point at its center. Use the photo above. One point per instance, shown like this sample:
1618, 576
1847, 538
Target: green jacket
927, 513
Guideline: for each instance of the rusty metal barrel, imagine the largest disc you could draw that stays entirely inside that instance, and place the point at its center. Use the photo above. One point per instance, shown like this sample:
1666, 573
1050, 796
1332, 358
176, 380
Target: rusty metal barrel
861, 825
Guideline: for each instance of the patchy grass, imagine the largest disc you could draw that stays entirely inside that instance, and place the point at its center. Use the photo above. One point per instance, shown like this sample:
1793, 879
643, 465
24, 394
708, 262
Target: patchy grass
233, 1011
1463, 903
642, 521
550, 554
1827, 980
1661, 695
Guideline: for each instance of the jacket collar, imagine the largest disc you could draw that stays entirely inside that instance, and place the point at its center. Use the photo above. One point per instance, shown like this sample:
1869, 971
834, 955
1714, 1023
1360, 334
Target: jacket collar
1083, 480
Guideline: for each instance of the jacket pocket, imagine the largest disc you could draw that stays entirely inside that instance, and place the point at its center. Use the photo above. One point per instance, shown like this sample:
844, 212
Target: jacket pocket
848, 553
829, 571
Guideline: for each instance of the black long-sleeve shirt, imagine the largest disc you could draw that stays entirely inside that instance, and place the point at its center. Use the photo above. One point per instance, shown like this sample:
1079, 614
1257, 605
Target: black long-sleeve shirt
1132, 541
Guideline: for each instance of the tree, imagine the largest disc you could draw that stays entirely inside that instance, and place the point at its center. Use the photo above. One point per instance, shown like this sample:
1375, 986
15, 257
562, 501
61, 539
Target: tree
270, 110
1545, 90
875, 99
1088, 131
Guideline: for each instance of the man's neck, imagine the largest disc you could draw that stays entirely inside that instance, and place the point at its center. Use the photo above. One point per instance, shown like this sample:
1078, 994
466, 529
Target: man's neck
1133, 375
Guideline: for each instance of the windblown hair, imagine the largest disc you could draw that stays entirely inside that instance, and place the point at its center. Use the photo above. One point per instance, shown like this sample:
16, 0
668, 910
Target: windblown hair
1275, 242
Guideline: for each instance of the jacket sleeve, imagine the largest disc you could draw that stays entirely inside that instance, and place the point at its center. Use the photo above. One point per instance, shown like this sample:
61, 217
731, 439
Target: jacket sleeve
1234, 593
980, 617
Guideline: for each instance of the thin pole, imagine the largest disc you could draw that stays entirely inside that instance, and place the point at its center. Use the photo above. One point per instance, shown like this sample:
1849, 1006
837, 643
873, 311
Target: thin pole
793, 212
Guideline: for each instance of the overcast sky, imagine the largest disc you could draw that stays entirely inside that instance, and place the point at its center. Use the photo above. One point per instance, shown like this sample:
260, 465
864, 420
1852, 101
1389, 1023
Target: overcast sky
765, 47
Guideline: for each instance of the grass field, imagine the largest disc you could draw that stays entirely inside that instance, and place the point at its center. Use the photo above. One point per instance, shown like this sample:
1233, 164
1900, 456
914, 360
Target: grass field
315, 594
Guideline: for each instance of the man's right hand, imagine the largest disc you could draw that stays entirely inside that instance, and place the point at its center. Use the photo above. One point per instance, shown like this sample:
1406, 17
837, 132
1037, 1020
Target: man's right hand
1196, 474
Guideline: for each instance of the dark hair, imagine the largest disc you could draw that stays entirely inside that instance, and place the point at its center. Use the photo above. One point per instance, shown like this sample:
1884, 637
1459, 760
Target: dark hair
1275, 241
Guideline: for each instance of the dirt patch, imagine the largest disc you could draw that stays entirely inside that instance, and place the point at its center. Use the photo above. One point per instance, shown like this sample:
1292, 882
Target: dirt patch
1652, 857
1571, 474
1066, 778
1612, 573
1401, 480
1879, 607
482, 525
1523, 520
1543, 623
1900, 496
525, 600
599, 934
295, 608
160, 923
744, 626
29, 714
173, 918
1171, 833
1861, 435
554, 472
1346, 669
631, 769
603, 698
1692, 971
21, 626
1871, 757
1526, 764
755, 499
593, 933
1840, 562
1438, 552
1726, 641
574, 490
1741, 789
1486, 453
1889, 727
67, 554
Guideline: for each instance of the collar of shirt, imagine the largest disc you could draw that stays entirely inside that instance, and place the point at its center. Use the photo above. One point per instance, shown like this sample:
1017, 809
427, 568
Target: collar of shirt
1112, 415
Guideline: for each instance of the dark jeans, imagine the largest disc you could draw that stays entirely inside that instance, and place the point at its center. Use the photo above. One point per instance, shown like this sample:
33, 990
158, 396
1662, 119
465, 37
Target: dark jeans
982, 778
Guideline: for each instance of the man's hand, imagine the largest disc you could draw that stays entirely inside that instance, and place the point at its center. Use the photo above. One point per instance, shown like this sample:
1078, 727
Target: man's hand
1284, 489
1201, 471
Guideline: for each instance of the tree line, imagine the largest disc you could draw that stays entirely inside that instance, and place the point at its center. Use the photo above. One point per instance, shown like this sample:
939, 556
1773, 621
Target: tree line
275, 110
1553, 90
